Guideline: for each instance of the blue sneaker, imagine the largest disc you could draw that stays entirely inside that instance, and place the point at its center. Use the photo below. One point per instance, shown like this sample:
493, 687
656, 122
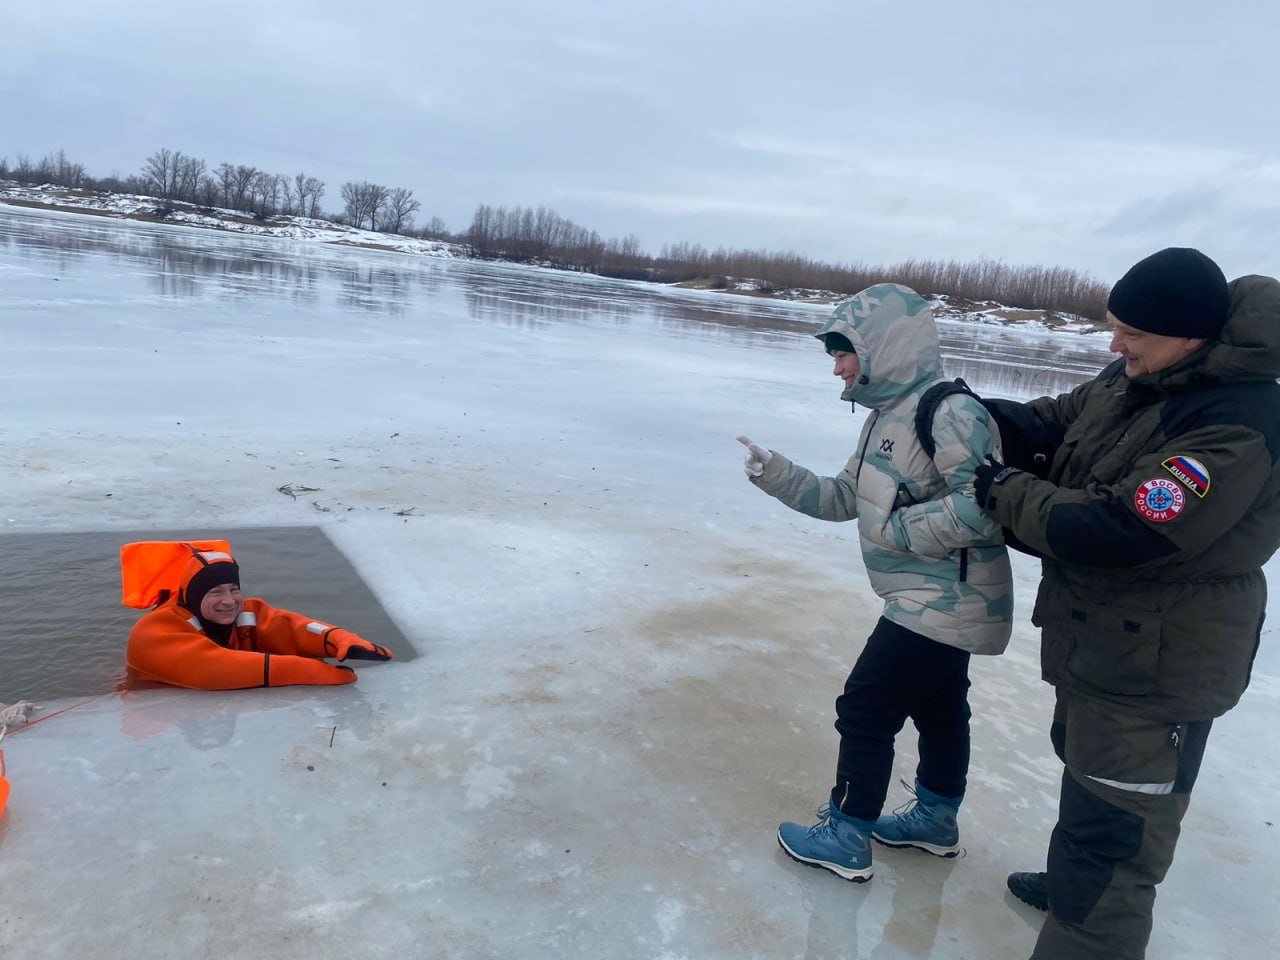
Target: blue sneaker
836, 842
926, 822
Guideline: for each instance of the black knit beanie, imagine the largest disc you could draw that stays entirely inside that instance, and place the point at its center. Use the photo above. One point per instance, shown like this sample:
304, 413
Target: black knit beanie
837, 341
206, 578
1178, 292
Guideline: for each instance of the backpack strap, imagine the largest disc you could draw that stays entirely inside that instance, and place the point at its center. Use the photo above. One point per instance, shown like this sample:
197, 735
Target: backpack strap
1027, 442
928, 407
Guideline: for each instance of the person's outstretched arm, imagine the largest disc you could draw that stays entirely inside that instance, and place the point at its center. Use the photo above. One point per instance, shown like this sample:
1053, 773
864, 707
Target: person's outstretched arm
165, 646
283, 631
826, 498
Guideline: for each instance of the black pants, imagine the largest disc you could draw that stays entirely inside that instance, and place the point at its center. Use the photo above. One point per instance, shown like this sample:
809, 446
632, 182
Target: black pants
901, 674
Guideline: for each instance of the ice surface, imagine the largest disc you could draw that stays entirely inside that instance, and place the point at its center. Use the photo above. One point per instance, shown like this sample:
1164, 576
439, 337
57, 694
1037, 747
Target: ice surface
628, 655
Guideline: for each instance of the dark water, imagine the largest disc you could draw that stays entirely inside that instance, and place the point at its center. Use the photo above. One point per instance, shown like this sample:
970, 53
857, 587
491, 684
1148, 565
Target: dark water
65, 629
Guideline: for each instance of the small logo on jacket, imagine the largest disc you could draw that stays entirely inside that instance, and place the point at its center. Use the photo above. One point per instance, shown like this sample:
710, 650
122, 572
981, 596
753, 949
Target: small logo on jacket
1159, 500
1193, 474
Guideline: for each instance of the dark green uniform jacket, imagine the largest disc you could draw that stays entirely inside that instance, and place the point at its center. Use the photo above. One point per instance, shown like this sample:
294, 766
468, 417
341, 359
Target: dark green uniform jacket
1161, 506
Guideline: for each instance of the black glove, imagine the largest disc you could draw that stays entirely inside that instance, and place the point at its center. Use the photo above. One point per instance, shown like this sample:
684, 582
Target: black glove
988, 476
374, 652
344, 645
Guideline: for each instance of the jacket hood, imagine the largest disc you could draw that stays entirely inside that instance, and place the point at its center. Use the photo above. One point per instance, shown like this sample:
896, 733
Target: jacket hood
205, 570
1249, 346
895, 338
1247, 350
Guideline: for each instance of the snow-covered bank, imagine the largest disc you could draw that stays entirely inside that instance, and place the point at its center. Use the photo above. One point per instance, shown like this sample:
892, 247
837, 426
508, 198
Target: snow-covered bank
129, 206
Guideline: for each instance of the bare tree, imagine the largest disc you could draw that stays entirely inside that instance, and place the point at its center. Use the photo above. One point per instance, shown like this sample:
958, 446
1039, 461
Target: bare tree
481, 233
435, 229
353, 203
56, 168
398, 210
158, 173
46, 172
309, 191
242, 179
226, 175
265, 189
315, 191
208, 192
364, 202
187, 173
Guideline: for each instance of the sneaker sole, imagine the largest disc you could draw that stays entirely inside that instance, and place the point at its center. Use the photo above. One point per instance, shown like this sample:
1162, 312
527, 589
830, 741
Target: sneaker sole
946, 853
1042, 907
844, 873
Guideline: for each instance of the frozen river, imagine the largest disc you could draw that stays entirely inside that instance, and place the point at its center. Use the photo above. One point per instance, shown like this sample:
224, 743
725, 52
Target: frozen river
76, 292
626, 656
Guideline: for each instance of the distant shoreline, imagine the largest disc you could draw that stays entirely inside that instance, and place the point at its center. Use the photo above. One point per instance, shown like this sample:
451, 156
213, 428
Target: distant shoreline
178, 213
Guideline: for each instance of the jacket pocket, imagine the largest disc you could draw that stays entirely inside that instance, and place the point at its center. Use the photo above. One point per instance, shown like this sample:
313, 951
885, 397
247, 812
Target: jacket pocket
1114, 650
1111, 465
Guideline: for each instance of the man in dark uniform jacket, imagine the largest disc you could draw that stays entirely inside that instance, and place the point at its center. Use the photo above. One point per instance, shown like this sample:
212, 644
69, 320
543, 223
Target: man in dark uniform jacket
1161, 506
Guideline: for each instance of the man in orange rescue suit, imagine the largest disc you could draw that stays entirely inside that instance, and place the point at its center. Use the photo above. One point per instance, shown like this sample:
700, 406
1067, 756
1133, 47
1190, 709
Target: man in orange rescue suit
209, 637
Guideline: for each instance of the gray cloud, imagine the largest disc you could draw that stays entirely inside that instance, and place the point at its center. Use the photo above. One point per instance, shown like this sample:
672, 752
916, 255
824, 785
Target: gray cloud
863, 132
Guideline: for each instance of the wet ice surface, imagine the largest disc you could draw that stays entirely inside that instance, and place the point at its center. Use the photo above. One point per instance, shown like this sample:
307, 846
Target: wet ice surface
627, 655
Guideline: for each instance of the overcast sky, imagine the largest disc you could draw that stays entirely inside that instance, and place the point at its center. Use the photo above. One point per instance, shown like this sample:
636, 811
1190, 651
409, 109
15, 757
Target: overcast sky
1084, 135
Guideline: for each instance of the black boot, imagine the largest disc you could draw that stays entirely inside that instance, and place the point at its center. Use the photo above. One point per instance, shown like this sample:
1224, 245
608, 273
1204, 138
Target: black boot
1030, 888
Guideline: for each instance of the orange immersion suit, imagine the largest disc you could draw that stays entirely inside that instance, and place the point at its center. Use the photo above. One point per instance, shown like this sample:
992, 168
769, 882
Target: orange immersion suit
265, 647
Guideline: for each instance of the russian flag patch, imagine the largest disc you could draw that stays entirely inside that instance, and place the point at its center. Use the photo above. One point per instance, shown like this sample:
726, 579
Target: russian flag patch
1191, 473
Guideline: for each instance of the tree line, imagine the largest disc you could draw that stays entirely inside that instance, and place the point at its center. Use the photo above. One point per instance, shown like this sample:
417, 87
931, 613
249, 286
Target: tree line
542, 235
525, 233
1028, 287
175, 177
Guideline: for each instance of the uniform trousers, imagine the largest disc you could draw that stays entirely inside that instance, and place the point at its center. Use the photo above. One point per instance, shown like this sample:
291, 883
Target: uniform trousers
1125, 788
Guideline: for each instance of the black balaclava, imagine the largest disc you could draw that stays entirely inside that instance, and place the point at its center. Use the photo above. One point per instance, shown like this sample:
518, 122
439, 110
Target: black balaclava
204, 580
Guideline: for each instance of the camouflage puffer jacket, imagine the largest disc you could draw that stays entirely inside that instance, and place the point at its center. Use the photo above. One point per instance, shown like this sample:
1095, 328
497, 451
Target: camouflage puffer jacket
935, 558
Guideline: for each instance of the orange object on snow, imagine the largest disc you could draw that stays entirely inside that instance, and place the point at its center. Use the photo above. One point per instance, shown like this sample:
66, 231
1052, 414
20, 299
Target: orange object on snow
4, 784
152, 570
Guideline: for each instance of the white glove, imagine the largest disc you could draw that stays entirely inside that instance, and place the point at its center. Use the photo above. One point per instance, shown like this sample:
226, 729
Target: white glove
17, 713
757, 457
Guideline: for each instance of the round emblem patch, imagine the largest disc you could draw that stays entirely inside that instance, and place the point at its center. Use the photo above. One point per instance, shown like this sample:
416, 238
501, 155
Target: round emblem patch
1159, 500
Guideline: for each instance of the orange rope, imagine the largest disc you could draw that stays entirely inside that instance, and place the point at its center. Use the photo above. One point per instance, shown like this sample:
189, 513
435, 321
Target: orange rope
31, 723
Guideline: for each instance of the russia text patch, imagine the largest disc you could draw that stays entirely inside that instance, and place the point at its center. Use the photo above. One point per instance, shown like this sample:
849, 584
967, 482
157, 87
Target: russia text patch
1159, 499
1193, 474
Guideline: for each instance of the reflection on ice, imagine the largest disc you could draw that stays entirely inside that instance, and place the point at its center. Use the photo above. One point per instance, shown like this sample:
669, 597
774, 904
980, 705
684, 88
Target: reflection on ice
235, 273
208, 720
